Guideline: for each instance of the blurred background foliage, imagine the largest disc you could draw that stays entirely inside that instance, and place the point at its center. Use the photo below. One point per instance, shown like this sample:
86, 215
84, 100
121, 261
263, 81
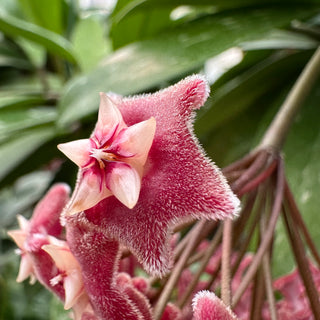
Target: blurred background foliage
55, 56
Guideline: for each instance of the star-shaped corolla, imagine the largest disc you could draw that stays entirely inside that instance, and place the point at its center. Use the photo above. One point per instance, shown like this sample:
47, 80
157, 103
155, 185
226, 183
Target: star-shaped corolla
111, 161
179, 182
69, 272
40, 229
19, 237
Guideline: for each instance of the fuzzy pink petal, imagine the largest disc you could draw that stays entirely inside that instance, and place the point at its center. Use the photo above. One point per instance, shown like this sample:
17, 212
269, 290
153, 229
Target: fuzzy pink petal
77, 151
108, 301
88, 192
124, 183
207, 306
179, 181
46, 215
136, 140
109, 118
171, 312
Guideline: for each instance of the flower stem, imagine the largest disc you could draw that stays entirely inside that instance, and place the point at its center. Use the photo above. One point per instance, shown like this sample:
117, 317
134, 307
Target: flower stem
277, 132
225, 263
174, 277
267, 237
302, 262
208, 254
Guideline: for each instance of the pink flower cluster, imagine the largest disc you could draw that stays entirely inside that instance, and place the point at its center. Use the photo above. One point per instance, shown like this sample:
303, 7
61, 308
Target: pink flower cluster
141, 172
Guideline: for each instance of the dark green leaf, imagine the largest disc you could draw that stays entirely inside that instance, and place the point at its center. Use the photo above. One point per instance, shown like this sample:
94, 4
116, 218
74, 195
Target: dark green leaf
51, 41
302, 155
134, 20
146, 64
242, 91
17, 120
9, 101
23, 194
14, 151
48, 16
281, 39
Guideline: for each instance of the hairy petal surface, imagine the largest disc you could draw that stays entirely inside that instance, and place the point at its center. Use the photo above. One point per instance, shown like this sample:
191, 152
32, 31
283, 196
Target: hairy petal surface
207, 306
109, 301
179, 182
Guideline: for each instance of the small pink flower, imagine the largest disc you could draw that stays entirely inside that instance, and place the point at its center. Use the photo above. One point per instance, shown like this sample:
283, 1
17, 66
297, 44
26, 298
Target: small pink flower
207, 306
111, 161
178, 182
69, 272
42, 229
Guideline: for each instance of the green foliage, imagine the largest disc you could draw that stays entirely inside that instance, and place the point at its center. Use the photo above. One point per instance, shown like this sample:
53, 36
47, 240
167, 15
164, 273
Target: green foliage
52, 67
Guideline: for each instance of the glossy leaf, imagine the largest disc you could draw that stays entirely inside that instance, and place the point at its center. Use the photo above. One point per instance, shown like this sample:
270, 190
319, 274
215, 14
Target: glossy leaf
302, 154
90, 55
24, 193
37, 13
54, 43
14, 151
134, 20
146, 64
242, 91
9, 101
17, 120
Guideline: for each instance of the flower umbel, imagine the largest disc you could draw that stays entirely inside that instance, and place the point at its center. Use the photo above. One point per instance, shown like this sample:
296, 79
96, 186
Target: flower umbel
111, 161
178, 182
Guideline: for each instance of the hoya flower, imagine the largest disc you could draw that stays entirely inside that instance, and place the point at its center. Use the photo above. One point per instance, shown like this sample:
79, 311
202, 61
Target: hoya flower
69, 272
111, 161
112, 295
178, 181
19, 236
207, 306
41, 229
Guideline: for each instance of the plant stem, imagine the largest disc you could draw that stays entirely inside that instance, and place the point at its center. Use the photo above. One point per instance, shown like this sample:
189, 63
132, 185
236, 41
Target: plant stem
302, 262
267, 237
174, 277
226, 262
277, 132
208, 254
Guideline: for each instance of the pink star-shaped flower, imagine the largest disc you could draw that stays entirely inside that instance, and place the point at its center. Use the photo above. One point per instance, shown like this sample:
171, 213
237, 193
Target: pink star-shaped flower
41, 229
19, 236
178, 181
111, 161
69, 272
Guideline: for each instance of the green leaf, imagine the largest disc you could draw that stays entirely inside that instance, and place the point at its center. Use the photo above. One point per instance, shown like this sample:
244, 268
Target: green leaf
12, 56
129, 25
302, 155
242, 91
281, 39
48, 16
17, 120
14, 151
134, 20
24, 193
150, 63
89, 56
54, 43
9, 101
29, 85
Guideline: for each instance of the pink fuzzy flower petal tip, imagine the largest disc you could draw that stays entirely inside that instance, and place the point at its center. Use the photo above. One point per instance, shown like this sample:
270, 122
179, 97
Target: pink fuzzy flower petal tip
143, 170
207, 306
